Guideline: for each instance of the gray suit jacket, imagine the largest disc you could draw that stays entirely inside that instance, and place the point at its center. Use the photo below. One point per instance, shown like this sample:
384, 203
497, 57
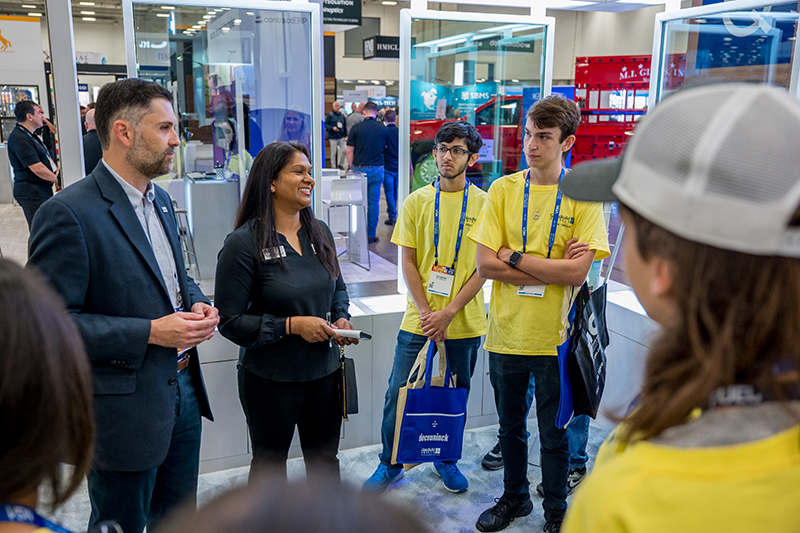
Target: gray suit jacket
89, 243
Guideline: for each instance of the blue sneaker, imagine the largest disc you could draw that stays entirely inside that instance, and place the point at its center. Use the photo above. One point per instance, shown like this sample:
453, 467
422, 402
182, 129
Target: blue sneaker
452, 478
383, 477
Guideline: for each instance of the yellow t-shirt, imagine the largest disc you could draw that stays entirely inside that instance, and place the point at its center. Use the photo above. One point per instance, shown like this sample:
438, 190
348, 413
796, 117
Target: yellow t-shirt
653, 488
414, 229
527, 325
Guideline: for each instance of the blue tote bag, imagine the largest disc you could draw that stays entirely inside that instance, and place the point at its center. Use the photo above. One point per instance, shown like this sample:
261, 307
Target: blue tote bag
431, 412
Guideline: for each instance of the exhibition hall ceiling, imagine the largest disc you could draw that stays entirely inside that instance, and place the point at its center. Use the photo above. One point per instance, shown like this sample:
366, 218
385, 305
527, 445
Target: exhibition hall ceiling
105, 11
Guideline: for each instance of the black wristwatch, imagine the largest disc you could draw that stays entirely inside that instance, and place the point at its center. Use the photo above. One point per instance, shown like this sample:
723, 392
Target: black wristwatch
514, 259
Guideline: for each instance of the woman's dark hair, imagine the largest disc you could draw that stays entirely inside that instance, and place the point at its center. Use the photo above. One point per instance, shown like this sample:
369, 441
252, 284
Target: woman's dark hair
23, 109
737, 322
321, 505
257, 206
127, 99
45, 390
459, 129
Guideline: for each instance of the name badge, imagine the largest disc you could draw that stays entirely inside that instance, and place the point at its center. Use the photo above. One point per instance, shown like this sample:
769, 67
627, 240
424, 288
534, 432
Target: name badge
53, 166
277, 252
338, 124
531, 290
441, 281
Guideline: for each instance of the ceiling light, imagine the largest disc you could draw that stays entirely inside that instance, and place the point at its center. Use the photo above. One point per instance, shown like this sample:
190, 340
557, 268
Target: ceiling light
237, 21
362, 81
26, 6
167, 7
89, 19
202, 22
196, 27
87, 3
162, 15
34, 14
514, 81
250, 13
208, 17
376, 82
226, 29
89, 13
389, 3
187, 32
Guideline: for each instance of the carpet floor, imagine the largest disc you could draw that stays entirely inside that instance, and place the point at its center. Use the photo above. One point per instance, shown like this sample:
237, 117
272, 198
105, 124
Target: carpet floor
420, 489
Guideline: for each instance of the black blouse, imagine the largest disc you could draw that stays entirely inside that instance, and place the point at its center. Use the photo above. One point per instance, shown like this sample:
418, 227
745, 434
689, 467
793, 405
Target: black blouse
255, 297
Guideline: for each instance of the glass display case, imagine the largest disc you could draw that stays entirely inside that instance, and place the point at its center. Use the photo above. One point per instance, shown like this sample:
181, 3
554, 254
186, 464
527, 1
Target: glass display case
739, 41
243, 75
486, 71
9, 96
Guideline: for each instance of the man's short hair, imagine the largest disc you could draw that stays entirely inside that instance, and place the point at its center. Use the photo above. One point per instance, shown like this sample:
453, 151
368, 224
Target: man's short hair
370, 107
126, 99
556, 111
23, 109
459, 129
390, 116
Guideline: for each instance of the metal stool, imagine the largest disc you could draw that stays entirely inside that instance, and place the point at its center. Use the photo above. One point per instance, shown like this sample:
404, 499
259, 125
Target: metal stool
347, 193
187, 240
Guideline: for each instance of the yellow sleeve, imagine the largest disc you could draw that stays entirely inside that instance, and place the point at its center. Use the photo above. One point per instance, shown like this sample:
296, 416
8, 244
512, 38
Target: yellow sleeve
488, 229
405, 230
590, 226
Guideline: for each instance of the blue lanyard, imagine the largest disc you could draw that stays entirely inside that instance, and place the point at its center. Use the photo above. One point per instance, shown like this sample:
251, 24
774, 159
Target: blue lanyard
25, 515
556, 212
460, 224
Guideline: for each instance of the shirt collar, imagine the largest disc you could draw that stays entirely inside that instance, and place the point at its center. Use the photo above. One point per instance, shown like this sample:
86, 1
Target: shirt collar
133, 194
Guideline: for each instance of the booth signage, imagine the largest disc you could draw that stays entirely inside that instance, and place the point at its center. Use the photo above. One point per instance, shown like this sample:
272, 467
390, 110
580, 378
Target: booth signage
355, 96
341, 12
493, 45
382, 48
20, 44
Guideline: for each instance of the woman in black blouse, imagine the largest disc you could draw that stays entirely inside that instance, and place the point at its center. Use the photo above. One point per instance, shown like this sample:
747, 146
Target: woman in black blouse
277, 278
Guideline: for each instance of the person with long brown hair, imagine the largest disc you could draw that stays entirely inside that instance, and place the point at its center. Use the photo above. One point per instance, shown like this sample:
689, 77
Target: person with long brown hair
709, 189
45, 401
277, 281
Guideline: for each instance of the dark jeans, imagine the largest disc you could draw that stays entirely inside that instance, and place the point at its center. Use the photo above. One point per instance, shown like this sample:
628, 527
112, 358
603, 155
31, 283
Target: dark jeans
139, 499
30, 198
390, 190
374, 181
510, 377
274, 408
462, 355
577, 434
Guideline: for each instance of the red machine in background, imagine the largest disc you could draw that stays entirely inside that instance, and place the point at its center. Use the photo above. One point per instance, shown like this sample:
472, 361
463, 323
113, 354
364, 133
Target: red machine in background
612, 92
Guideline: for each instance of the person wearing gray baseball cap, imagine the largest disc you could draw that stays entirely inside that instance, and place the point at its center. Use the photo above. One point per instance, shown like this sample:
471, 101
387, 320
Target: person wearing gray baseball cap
709, 188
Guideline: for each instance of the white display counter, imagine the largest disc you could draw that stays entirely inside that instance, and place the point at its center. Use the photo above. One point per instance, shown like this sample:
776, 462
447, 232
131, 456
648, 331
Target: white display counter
226, 444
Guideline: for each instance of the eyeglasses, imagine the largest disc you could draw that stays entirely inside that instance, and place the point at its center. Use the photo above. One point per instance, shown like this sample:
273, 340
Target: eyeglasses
457, 151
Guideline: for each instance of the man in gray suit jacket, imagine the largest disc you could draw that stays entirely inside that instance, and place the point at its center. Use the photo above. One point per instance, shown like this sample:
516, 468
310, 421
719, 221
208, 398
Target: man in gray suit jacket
110, 247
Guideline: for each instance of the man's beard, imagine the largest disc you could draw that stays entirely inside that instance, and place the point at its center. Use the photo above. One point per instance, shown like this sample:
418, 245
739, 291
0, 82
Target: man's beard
453, 172
146, 162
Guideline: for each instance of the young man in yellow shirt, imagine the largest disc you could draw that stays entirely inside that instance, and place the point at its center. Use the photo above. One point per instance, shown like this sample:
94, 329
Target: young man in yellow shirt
534, 243
709, 190
445, 300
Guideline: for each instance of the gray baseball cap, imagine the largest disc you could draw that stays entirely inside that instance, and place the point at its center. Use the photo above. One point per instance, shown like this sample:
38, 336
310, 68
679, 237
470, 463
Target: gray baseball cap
717, 164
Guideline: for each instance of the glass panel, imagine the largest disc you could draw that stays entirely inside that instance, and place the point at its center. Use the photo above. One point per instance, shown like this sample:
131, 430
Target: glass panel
745, 46
485, 73
241, 80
